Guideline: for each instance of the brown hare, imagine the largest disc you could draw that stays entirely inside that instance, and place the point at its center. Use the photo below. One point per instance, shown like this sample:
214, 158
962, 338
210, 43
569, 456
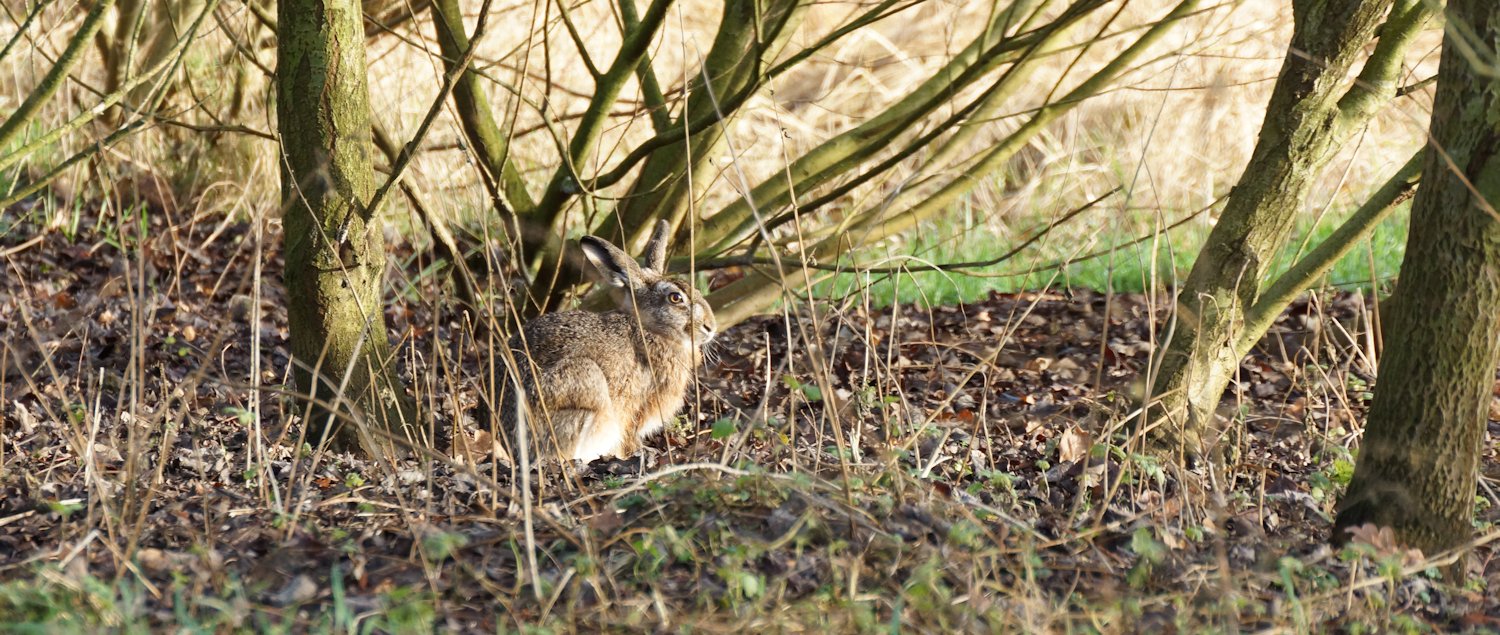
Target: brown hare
597, 384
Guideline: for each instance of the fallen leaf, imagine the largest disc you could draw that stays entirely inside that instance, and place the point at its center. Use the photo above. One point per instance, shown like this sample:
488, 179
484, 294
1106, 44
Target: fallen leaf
1074, 444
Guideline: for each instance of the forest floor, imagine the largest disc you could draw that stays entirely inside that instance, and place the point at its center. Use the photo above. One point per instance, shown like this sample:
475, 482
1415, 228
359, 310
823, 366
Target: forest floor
963, 468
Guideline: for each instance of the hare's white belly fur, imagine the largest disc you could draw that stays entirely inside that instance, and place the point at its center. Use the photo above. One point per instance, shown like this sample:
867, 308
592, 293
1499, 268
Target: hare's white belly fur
605, 435
599, 438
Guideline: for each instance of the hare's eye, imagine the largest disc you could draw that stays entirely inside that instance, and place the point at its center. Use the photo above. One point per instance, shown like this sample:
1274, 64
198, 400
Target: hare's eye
677, 297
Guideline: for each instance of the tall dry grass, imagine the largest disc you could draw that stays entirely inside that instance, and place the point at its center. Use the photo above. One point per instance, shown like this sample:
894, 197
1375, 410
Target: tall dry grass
1176, 131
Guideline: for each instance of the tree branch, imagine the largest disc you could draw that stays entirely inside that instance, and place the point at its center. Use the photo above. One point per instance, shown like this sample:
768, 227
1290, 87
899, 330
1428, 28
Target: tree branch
830, 158
1320, 260
681, 266
565, 181
450, 79
25, 25
1376, 84
583, 49
169, 61
656, 101
490, 146
17, 120
752, 293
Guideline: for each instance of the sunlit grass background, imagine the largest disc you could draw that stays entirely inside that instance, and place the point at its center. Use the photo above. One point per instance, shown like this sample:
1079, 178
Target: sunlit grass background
1174, 132
1117, 261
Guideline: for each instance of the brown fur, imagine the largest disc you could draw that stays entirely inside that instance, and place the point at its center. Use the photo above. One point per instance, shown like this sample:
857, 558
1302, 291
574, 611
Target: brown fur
600, 383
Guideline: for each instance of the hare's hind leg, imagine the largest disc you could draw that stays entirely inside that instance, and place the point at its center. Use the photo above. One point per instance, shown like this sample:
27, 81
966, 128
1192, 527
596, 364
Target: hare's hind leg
583, 435
579, 414
598, 436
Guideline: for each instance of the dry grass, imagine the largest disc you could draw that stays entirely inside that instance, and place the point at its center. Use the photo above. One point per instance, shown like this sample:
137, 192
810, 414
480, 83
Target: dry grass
1176, 131
840, 468
166, 481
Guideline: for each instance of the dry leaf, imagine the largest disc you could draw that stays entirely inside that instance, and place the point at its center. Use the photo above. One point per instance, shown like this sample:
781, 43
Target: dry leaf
1383, 541
1074, 444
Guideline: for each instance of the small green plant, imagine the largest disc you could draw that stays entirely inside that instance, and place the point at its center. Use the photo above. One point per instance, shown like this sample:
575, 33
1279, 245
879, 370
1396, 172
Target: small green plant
243, 415
408, 610
38, 605
723, 429
1149, 552
64, 508
1289, 568
809, 391
925, 590
966, 534
742, 584
1150, 467
441, 545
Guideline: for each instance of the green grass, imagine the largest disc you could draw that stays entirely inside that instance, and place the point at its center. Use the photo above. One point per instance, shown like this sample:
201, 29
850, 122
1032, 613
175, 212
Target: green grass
1131, 267
54, 601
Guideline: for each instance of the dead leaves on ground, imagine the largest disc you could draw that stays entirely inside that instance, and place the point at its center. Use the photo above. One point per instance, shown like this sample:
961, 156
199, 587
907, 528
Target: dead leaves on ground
977, 441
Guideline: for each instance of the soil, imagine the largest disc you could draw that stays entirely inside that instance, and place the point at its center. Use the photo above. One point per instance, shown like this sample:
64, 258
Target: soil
962, 467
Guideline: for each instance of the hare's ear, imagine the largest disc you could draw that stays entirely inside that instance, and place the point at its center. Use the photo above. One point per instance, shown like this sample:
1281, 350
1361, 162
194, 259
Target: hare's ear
656, 248
615, 267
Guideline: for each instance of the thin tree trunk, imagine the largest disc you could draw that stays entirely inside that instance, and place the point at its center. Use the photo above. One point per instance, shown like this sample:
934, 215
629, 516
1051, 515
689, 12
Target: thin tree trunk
1312, 112
749, 30
119, 48
1418, 463
492, 146
662, 189
335, 248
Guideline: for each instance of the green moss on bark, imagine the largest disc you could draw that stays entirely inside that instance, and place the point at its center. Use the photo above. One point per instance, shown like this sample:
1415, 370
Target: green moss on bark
335, 249
1313, 110
1418, 463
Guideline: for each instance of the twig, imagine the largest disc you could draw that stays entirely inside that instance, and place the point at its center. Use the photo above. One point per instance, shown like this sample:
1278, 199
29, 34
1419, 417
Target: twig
450, 79
720, 263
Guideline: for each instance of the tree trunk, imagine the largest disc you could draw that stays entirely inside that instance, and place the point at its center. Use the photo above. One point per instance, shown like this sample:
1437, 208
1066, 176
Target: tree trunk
1418, 463
335, 248
506, 185
749, 30
1312, 111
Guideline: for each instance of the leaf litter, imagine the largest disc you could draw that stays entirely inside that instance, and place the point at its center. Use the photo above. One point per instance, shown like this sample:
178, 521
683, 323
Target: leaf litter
949, 468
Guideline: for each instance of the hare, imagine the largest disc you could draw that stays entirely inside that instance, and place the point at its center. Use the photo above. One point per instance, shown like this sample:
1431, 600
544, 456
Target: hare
597, 384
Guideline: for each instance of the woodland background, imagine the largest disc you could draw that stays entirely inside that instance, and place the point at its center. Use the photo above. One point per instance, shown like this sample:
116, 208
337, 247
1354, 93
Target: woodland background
875, 445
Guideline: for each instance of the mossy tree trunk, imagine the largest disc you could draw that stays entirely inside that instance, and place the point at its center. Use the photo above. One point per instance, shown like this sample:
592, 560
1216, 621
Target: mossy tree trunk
1418, 463
751, 34
1313, 110
335, 248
